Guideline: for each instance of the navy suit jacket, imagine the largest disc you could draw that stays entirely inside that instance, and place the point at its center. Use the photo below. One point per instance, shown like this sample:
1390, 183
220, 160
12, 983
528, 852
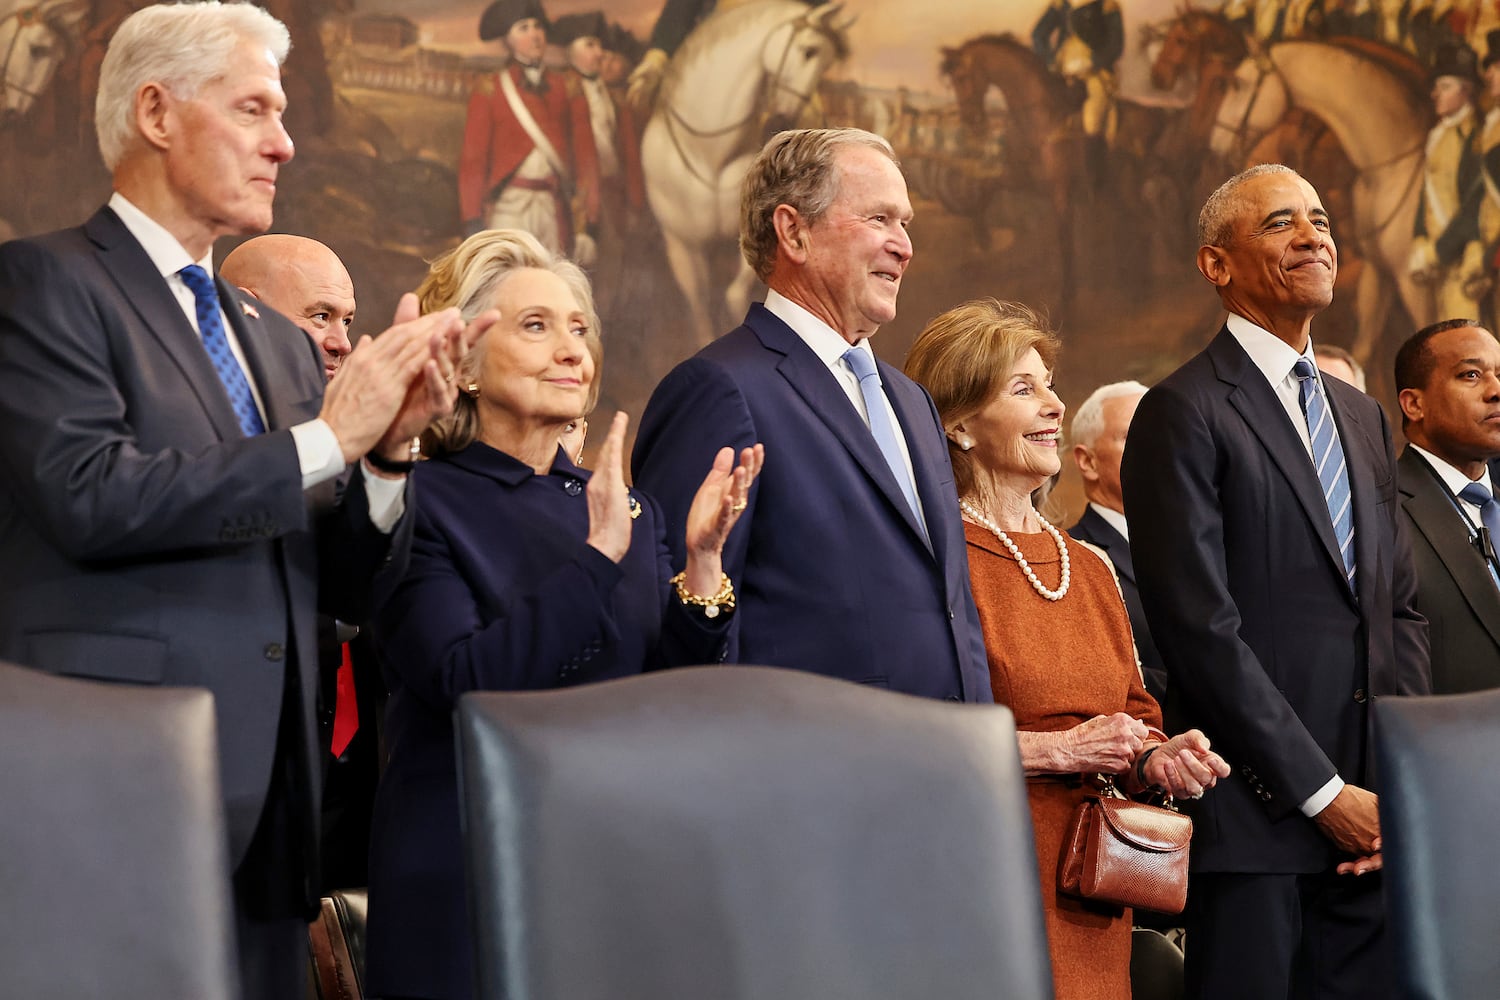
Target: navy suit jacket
1096, 530
149, 541
1455, 591
502, 593
832, 570
1267, 649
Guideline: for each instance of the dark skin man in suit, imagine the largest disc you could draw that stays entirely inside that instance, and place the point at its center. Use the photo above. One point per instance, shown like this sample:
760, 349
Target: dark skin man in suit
1448, 379
1275, 634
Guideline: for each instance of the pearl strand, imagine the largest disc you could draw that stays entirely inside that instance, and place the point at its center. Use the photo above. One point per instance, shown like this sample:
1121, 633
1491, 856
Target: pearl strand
975, 515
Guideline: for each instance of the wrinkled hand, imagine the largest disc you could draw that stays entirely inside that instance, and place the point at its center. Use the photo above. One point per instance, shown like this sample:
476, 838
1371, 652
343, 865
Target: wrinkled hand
1185, 766
609, 500
1352, 822
393, 385
1106, 743
715, 510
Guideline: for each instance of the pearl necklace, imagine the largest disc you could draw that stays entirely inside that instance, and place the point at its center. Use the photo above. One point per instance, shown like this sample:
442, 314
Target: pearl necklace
974, 514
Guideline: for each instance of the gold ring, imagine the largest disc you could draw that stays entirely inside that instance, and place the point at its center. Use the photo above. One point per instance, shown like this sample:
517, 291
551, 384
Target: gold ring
737, 507
448, 377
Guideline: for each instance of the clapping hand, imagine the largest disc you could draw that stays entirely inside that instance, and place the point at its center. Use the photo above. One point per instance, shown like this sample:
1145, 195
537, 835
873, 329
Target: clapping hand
715, 510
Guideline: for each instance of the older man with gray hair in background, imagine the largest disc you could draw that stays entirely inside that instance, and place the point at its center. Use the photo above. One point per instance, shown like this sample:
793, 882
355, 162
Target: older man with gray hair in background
1098, 433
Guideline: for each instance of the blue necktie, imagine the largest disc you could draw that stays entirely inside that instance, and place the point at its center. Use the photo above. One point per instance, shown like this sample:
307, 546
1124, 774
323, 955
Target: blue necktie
211, 328
862, 364
1489, 515
1328, 458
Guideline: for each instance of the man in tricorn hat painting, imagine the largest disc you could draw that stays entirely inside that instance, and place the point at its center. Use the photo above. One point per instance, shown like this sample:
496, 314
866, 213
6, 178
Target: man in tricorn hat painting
1489, 209
528, 148
1446, 254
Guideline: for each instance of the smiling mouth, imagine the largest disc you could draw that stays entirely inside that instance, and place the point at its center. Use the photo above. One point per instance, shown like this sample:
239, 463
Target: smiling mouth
1043, 437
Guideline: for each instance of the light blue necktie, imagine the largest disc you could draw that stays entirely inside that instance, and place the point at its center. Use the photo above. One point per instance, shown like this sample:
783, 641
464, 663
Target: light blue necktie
1489, 515
211, 329
1328, 458
862, 364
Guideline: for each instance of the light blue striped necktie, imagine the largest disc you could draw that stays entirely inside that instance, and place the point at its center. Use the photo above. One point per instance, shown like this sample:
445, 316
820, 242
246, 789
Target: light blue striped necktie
1489, 515
1328, 459
862, 364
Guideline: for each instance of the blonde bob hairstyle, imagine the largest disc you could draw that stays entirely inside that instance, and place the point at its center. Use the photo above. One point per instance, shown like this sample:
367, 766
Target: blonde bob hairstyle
470, 276
963, 357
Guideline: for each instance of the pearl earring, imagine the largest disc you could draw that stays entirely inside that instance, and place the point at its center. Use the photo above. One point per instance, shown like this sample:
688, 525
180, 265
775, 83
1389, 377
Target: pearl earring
472, 388
966, 444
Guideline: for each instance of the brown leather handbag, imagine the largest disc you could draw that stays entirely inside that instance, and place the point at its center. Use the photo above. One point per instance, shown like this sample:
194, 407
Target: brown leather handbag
1129, 853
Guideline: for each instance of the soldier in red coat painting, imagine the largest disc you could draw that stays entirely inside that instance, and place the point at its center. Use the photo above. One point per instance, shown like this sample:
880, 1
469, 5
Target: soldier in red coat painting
528, 155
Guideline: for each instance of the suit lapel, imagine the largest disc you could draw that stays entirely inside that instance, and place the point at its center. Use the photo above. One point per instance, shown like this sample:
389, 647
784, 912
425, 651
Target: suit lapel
1362, 456
254, 341
811, 380
933, 488
1257, 403
1431, 510
130, 267
1112, 542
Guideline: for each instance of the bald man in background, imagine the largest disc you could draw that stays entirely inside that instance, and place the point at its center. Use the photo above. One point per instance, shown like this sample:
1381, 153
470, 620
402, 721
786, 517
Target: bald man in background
307, 283
304, 281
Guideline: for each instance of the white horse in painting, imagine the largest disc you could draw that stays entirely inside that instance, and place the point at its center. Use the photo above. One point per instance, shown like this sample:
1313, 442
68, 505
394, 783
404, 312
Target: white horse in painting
33, 40
1382, 124
741, 72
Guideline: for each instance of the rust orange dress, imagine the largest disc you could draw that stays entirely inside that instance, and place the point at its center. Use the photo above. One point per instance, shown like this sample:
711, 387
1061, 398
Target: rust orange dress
1056, 664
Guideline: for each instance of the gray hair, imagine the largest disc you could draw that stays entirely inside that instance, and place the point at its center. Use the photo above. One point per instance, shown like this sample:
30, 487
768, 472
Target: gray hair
1216, 220
1337, 353
1088, 419
469, 277
795, 168
183, 47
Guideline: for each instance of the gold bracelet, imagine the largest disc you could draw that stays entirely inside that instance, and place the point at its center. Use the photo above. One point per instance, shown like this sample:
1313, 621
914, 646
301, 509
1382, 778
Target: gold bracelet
719, 603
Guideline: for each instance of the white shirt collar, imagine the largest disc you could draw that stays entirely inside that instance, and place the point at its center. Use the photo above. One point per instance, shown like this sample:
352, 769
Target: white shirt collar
161, 246
1451, 477
823, 340
1113, 518
1273, 356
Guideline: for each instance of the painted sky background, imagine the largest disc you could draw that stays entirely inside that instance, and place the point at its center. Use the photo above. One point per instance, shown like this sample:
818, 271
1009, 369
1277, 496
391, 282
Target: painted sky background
893, 43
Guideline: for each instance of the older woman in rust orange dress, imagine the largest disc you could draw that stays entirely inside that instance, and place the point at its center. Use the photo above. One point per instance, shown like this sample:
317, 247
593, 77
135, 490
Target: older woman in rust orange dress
1060, 649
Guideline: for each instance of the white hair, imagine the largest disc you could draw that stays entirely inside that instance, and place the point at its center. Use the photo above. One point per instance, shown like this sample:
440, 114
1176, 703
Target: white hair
1216, 219
183, 47
1088, 419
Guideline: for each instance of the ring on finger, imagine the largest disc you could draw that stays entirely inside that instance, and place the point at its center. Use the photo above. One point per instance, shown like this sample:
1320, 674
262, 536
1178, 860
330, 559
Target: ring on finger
737, 507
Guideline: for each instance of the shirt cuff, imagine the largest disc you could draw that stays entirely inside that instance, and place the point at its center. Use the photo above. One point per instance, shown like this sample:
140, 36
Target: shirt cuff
318, 452
385, 499
1323, 797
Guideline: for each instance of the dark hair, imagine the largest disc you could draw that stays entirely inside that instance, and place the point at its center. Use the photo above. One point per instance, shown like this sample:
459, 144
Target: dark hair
1414, 360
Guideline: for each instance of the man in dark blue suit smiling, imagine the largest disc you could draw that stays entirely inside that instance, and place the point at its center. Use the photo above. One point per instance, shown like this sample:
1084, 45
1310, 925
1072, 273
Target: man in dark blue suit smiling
850, 558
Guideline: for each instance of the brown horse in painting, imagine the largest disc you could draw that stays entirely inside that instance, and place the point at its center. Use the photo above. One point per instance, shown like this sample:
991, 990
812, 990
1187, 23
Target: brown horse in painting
1043, 151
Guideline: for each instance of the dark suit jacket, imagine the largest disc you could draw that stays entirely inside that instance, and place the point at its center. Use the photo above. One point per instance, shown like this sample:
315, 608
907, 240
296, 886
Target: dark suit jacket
503, 593
1096, 530
831, 567
1455, 591
1268, 651
149, 540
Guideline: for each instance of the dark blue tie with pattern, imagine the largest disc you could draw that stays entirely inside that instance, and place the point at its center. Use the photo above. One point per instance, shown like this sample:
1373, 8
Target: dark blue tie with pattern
211, 328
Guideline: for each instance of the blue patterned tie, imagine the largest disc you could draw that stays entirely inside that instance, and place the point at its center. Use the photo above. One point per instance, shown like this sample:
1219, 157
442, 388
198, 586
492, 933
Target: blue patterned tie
1489, 515
211, 327
862, 364
1328, 458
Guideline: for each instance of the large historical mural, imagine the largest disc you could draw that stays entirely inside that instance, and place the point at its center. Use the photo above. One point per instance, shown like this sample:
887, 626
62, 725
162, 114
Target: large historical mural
1056, 150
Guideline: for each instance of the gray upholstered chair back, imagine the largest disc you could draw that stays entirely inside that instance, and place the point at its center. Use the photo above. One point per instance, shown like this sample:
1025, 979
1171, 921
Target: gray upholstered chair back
114, 879
745, 833
1439, 810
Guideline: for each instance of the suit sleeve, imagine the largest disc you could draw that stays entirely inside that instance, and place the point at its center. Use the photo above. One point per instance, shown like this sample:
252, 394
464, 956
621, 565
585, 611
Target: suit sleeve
1177, 533
696, 410
72, 457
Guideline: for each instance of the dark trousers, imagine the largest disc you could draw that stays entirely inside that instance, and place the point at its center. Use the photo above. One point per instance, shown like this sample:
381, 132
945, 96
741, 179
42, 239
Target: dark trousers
1302, 937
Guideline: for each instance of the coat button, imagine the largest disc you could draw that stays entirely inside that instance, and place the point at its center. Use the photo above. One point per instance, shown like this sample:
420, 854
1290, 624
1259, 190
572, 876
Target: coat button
1359, 696
953, 697
1265, 796
572, 487
275, 651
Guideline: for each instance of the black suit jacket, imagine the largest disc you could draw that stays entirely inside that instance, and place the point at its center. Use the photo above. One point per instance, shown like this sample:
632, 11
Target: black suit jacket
1096, 530
1267, 649
150, 541
1455, 591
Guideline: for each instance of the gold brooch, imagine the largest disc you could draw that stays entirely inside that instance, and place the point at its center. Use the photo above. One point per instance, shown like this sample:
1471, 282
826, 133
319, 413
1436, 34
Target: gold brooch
635, 506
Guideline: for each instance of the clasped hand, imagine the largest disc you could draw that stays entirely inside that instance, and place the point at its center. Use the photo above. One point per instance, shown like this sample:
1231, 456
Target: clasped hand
1184, 766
